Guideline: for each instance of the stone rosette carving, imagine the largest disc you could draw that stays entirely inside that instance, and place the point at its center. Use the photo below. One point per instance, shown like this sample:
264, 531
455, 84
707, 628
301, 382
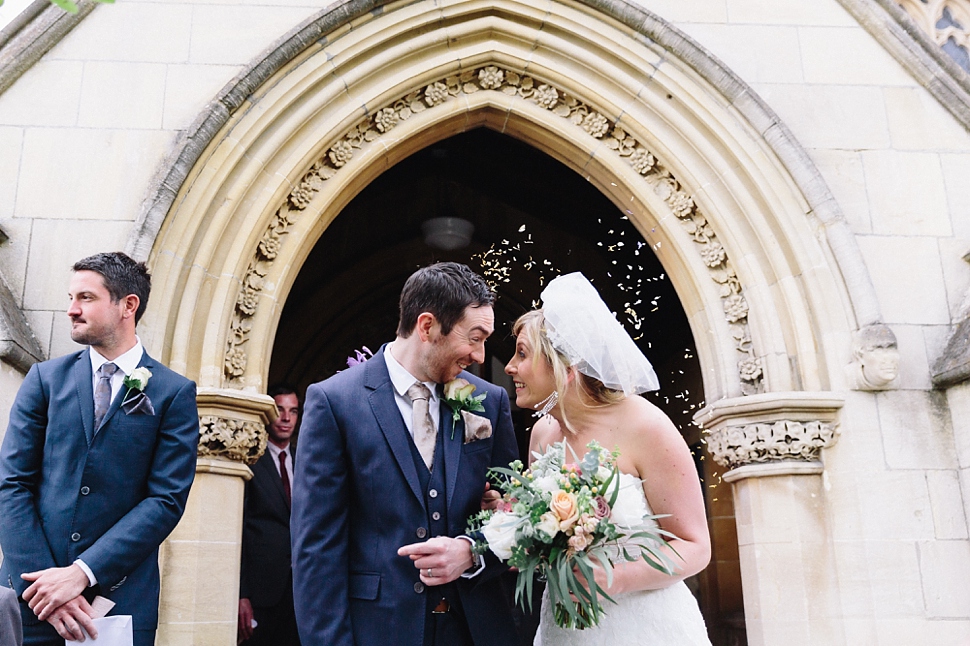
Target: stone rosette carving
548, 97
231, 439
735, 446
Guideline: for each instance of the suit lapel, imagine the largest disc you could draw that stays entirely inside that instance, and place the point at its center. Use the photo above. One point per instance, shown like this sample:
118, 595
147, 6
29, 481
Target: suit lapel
84, 379
146, 362
272, 475
388, 415
448, 426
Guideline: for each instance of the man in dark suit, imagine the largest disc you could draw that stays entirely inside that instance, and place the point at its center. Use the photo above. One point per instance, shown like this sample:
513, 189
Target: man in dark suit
266, 578
387, 480
96, 465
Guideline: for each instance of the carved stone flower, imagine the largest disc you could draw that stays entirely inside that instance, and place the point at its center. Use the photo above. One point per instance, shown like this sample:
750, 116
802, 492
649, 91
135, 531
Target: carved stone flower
735, 308
749, 369
546, 96
247, 301
596, 124
341, 153
270, 245
681, 204
235, 362
386, 119
300, 197
713, 253
491, 77
642, 161
435, 93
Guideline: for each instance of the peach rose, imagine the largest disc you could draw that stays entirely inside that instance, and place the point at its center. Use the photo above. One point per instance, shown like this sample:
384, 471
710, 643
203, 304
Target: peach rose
563, 505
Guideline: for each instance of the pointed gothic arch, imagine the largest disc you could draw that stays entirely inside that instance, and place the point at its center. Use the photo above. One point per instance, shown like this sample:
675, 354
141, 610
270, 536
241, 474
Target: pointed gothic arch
760, 256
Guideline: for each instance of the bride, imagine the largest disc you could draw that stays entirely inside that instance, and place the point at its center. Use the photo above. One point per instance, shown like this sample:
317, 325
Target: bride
575, 364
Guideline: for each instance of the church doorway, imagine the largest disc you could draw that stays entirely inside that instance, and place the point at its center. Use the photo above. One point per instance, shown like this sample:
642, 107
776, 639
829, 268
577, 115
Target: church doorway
527, 218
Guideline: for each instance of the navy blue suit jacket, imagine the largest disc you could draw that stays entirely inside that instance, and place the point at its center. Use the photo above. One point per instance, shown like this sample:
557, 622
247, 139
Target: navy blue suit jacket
357, 498
108, 496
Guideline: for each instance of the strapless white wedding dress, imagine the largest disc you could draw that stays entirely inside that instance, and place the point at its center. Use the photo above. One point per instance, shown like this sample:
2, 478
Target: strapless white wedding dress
666, 617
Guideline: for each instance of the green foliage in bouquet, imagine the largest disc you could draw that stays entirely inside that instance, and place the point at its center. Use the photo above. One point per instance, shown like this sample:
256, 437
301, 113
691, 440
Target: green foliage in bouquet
557, 518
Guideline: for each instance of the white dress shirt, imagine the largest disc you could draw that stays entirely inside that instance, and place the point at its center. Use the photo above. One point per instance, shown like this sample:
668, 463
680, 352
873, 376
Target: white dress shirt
275, 452
401, 379
126, 363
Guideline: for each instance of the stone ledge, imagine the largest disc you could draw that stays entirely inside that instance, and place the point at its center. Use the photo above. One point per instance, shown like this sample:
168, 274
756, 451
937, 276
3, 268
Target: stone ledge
18, 346
782, 428
953, 366
768, 469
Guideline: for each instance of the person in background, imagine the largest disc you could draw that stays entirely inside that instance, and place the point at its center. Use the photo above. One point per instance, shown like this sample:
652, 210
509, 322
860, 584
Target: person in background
266, 577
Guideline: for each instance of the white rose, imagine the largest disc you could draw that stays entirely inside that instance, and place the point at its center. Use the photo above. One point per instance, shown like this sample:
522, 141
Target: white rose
547, 483
548, 524
499, 532
629, 508
603, 474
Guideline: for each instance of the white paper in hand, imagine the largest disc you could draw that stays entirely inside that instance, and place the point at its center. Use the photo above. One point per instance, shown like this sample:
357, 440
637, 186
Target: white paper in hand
112, 631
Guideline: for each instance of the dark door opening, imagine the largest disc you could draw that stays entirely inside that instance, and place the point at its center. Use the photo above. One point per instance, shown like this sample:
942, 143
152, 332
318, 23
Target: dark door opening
533, 218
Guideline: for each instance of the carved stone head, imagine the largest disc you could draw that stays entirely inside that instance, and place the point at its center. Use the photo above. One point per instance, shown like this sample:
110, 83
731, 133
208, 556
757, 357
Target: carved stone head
875, 359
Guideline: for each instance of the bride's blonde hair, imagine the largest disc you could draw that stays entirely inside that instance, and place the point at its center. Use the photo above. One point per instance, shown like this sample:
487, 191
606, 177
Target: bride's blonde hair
593, 393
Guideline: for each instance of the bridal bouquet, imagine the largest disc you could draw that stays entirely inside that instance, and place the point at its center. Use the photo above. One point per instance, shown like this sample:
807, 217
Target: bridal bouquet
558, 517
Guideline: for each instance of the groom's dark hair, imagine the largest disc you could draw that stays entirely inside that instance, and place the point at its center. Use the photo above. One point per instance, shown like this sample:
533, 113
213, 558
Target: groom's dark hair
122, 276
444, 289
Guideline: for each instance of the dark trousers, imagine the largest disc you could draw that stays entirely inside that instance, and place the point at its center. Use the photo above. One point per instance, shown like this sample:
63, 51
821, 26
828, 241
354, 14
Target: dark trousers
448, 628
275, 625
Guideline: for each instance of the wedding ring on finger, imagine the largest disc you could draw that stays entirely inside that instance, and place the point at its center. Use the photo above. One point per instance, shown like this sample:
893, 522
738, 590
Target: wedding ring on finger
429, 574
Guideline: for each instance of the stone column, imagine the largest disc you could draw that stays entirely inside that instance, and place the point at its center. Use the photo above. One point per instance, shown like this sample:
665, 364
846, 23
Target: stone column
200, 560
771, 443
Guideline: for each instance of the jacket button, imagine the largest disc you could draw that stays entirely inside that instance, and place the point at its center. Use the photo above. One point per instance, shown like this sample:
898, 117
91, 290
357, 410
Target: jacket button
419, 587
435, 516
85, 490
433, 493
75, 537
421, 532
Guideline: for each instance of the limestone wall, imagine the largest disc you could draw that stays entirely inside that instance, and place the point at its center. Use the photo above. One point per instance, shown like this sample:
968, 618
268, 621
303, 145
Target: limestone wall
84, 131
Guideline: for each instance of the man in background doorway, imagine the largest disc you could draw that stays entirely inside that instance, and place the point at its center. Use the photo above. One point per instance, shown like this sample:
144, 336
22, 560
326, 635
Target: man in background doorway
266, 577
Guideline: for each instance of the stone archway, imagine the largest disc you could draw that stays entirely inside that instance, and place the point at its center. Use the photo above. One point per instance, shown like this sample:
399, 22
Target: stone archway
710, 178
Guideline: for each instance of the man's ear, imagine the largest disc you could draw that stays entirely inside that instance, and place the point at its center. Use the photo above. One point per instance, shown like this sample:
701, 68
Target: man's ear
130, 305
426, 323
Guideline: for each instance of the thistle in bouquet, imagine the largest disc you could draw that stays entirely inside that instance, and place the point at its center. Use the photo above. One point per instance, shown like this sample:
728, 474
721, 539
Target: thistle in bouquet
562, 519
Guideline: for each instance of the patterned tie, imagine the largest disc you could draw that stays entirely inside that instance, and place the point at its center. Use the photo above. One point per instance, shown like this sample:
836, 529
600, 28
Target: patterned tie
102, 392
422, 426
285, 476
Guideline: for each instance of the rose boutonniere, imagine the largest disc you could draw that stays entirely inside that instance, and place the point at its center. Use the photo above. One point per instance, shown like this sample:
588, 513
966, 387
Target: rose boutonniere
458, 396
136, 383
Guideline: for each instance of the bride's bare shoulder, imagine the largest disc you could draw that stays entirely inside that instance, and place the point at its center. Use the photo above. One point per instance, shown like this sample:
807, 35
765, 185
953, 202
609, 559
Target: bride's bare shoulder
644, 418
545, 432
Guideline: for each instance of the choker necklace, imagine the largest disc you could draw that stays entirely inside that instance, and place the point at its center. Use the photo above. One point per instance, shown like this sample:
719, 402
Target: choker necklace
547, 404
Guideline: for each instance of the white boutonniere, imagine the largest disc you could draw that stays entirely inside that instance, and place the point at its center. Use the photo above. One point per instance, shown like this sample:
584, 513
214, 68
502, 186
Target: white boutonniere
136, 383
458, 396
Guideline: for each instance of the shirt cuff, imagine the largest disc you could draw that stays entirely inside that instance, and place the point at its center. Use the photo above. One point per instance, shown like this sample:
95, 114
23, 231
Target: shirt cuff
479, 565
87, 571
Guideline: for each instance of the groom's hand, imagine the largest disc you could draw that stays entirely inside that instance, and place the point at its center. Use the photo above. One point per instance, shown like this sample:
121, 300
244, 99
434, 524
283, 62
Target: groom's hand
440, 560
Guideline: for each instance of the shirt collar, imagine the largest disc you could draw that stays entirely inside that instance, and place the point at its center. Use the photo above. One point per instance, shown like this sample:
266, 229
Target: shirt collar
126, 362
275, 450
401, 379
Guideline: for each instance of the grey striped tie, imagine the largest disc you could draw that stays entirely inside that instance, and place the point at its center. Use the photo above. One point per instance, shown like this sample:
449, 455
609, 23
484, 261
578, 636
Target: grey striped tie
422, 425
102, 392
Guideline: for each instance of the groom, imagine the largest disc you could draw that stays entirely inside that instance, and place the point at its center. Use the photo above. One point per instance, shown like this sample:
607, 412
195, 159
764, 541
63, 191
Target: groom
387, 480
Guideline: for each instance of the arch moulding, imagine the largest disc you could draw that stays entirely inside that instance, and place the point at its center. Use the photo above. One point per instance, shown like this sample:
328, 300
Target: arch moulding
713, 181
757, 249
